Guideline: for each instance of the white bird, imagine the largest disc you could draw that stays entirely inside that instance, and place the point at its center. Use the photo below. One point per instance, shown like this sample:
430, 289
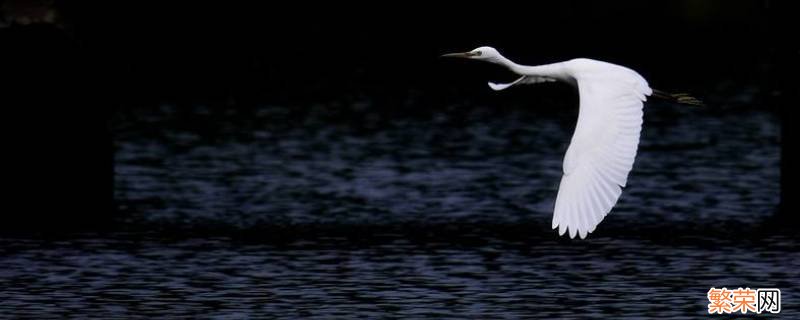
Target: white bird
606, 137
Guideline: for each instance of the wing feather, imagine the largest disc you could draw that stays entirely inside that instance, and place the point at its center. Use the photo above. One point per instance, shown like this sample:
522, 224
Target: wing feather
603, 148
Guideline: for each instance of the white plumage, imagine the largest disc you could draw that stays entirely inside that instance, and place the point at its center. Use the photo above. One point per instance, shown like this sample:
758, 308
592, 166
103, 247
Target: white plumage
604, 145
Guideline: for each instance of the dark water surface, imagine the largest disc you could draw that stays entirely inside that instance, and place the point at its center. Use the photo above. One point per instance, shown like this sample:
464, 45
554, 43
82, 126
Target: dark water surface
342, 211
324, 277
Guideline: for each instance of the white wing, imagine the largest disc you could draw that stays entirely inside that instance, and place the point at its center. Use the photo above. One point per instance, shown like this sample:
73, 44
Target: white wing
604, 144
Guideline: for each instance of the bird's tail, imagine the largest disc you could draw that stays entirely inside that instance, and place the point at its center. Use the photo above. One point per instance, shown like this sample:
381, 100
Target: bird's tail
681, 98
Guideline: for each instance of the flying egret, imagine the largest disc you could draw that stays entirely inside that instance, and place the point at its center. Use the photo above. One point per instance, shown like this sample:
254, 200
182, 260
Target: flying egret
606, 137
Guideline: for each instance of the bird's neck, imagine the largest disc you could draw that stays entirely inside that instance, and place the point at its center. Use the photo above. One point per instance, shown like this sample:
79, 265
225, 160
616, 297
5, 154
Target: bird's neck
553, 70
510, 65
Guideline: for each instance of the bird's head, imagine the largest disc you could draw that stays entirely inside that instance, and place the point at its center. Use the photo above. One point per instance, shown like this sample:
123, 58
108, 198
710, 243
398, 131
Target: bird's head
487, 54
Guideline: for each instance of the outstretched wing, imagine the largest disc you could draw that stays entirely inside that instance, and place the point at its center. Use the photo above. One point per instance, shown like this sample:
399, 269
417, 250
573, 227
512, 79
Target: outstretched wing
604, 144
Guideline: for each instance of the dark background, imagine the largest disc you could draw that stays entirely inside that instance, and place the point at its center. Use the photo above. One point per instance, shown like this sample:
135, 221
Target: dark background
231, 159
66, 77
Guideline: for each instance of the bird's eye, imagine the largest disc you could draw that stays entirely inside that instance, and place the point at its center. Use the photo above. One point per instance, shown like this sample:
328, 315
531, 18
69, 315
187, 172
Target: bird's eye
477, 53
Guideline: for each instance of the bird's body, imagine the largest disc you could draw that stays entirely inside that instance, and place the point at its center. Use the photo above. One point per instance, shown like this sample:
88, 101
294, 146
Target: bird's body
604, 145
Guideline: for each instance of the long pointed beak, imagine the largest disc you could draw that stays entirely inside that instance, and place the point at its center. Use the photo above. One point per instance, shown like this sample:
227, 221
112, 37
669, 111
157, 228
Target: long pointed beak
456, 55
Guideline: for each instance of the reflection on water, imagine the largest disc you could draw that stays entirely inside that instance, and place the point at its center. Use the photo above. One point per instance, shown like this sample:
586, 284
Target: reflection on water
282, 166
324, 211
